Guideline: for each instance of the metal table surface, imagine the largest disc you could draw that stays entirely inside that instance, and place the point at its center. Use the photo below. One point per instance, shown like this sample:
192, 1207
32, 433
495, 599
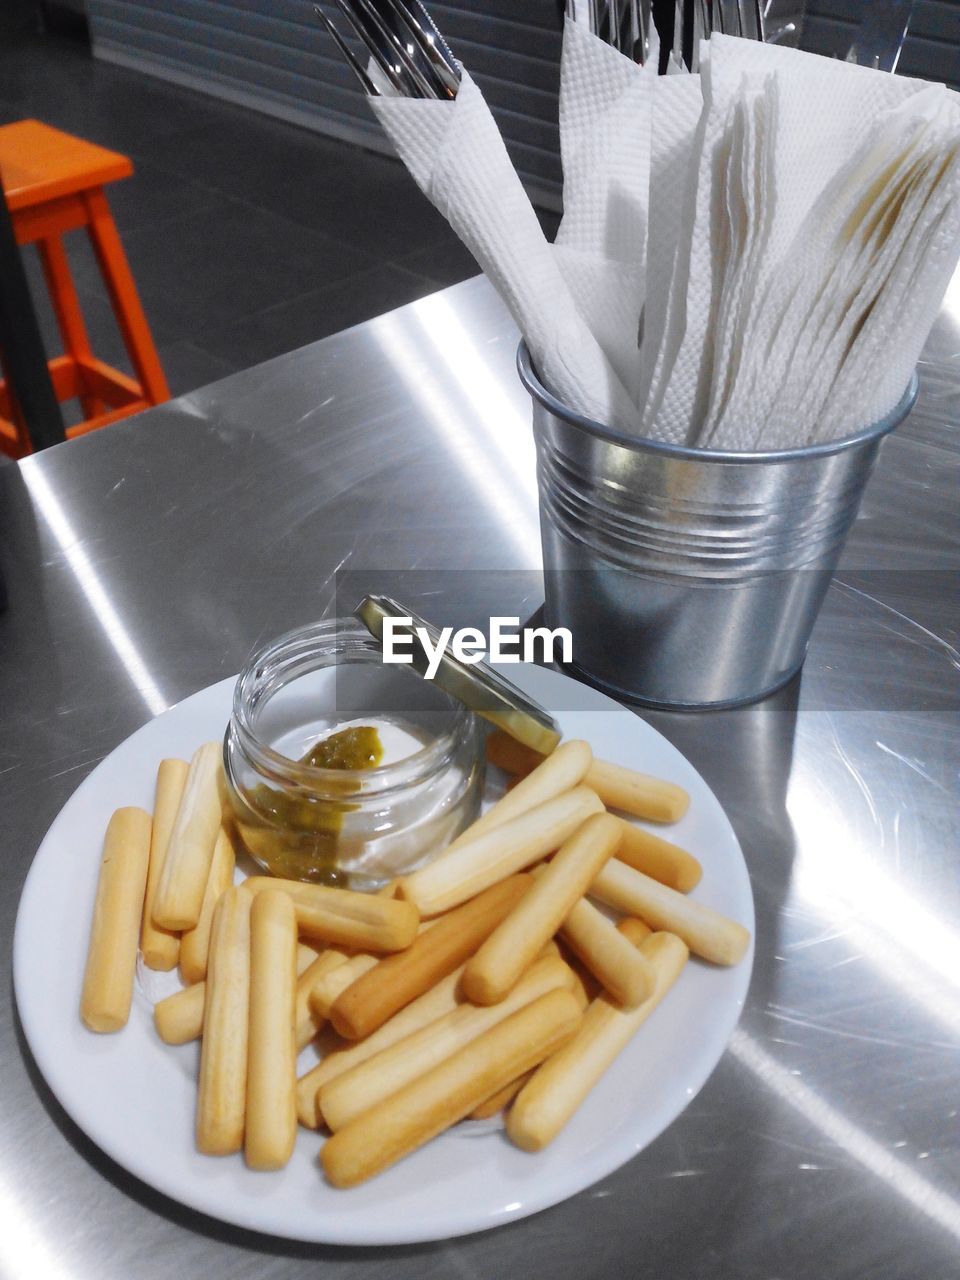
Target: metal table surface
145, 561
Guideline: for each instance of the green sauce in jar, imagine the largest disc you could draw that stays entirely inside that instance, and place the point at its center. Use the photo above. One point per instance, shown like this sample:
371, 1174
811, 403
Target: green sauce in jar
358, 747
310, 825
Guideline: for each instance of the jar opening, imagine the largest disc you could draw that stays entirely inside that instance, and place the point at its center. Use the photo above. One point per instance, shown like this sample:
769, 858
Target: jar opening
317, 679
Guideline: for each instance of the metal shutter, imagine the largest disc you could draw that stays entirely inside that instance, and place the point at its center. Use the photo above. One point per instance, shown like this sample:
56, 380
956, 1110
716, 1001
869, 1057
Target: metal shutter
273, 55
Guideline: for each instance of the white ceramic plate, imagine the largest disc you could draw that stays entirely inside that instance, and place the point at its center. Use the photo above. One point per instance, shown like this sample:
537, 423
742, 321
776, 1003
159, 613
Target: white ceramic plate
134, 1096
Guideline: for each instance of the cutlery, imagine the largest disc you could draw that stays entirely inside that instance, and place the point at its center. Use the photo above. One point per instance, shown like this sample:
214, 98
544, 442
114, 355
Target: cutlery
403, 43
365, 82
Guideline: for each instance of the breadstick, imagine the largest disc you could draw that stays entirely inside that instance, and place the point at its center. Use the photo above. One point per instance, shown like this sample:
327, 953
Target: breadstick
179, 1018
511, 947
308, 1023
118, 907
706, 932
397, 980
195, 942
617, 786
634, 930
621, 969
554, 1092
637, 793
584, 987
631, 928
393, 929
222, 1090
433, 1004
501, 1099
450, 1091
461, 873
554, 775
317, 990
161, 947
306, 954
271, 1123
328, 989
357, 1090
366, 921
186, 867
658, 858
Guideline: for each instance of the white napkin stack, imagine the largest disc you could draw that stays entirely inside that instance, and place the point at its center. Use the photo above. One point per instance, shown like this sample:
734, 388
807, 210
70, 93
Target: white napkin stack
750, 258
871, 263
814, 120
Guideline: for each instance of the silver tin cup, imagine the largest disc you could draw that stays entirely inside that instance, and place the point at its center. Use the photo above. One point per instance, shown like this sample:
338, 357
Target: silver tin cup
689, 578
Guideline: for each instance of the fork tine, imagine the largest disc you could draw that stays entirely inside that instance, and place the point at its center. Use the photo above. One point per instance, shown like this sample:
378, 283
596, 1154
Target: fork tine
365, 82
760, 20
361, 31
430, 43
425, 88
644, 21
676, 52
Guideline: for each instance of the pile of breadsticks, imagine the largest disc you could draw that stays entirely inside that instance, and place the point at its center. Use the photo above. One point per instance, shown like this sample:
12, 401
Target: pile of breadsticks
485, 980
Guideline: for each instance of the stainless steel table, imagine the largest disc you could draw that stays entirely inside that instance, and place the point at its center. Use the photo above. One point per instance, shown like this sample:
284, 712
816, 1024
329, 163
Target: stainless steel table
145, 561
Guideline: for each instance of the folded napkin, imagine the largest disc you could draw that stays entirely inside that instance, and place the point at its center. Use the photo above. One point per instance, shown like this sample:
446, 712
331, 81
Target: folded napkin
605, 103
456, 156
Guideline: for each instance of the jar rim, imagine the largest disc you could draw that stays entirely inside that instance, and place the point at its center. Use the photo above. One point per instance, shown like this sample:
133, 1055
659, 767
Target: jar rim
323, 640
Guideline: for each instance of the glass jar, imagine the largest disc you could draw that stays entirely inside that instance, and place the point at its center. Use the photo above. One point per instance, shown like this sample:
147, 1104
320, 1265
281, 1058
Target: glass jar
357, 828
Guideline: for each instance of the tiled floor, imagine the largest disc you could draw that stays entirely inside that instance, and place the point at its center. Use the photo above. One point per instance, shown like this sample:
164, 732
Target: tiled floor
247, 236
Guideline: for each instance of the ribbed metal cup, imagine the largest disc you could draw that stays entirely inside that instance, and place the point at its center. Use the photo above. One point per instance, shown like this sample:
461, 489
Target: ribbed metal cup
689, 578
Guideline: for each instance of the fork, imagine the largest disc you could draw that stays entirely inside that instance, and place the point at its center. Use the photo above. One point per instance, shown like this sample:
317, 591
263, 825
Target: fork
404, 45
744, 18
625, 24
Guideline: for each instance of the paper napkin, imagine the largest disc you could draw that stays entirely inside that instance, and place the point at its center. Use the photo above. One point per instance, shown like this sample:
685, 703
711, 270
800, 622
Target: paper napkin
605, 103
676, 110
825, 110
456, 155
859, 277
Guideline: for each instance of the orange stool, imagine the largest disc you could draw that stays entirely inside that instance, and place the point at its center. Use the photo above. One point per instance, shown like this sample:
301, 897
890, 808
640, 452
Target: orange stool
54, 183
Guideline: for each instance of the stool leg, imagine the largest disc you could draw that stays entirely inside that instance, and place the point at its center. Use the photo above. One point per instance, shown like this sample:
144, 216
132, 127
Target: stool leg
123, 295
28, 375
10, 410
66, 307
